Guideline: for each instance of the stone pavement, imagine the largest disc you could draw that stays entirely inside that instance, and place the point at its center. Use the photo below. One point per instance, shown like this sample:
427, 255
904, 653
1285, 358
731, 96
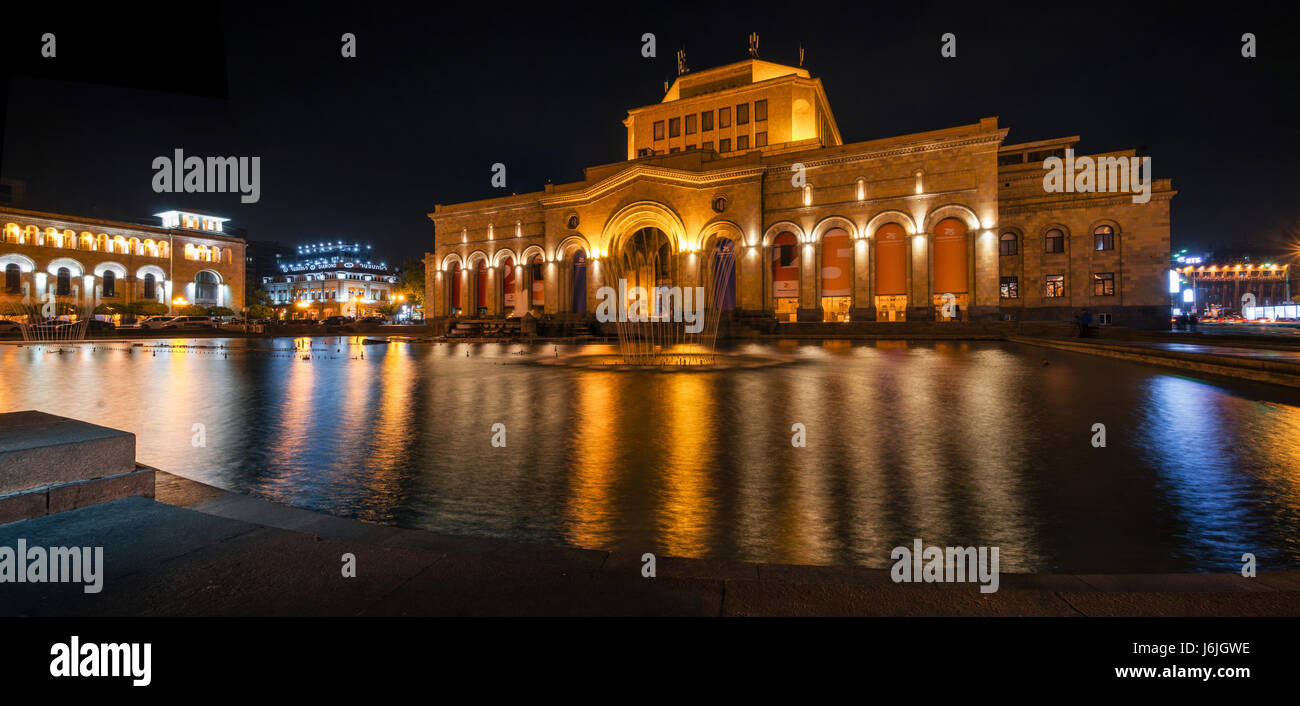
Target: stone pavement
200, 551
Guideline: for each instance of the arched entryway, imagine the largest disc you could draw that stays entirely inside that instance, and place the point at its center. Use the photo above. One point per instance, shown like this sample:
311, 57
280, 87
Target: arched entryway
536, 284
837, 275
951, 270
891, 273
576, 284
454, 287
480, 286
721, 279
508, 299
785, 276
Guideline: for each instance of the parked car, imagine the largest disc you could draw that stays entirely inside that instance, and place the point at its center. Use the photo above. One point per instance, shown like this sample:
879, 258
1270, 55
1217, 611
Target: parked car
337, 321
7, 326
373, 320
180, 322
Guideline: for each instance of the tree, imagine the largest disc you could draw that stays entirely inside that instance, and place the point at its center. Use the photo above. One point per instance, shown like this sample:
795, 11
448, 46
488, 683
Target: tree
110, 309
220, 311
147, 307
410, 283
260, 311
193, 310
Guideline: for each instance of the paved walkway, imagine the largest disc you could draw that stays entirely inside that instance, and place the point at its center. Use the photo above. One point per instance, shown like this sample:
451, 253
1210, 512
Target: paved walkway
201, 551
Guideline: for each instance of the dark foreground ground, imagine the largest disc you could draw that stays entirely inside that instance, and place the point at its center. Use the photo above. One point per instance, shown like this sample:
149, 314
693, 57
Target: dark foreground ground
197, 550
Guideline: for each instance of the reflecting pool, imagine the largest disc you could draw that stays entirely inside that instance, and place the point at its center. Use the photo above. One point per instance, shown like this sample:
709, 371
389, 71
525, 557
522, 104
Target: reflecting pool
961, 444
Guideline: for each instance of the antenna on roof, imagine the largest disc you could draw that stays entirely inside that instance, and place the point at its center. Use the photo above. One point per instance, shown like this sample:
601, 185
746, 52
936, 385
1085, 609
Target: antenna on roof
681, 62
801, 55
665, 86
753, 45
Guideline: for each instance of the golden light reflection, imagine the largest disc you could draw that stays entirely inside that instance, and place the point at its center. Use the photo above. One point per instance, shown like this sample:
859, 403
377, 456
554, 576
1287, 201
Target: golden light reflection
591, 495
687, 427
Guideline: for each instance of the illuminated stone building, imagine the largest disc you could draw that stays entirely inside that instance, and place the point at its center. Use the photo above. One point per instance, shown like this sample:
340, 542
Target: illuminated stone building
330, 279
740, 172
1255, 290
186, 259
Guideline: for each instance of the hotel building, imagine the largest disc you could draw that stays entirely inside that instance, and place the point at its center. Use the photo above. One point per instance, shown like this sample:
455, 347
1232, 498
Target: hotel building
186, 259
330, 279
741, 178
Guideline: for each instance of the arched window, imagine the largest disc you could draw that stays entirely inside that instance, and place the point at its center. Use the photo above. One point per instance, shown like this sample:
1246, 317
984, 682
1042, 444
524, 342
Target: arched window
1103, 238
150, 286
63, 282
13, 279
110, 284
1054, 241
205, 288
1007, 244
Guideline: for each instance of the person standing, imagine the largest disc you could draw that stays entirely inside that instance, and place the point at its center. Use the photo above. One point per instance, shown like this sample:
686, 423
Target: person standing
1085, 321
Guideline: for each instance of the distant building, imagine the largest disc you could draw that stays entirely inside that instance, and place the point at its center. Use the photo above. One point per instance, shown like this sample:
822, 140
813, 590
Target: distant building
330, 279
1234, 283
738, 181
262, 260
188, 259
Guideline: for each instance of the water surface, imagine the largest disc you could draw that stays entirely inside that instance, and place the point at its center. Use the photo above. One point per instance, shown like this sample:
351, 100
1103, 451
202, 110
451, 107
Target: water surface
956, 443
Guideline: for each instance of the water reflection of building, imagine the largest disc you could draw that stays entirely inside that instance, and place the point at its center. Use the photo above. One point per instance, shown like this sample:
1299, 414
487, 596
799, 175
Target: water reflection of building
330, 279
741, 170
188, 259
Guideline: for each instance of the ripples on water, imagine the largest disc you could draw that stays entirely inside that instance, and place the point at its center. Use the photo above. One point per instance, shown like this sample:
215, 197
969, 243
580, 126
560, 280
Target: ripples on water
955, 443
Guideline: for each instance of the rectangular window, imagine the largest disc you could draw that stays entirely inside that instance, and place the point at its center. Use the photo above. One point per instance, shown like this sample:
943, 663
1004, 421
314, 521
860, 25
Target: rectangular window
1103, 319
724, 117
742, 114
1055, 286
760, 139
691, 120
1103, 284
742, 142
760, 110
674, 149
659, 130
1010, 288
706, 120
724, 145
707, 145
674, 127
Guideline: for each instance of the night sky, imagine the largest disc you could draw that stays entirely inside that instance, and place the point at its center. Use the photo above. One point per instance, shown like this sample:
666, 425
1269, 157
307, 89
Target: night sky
363, 148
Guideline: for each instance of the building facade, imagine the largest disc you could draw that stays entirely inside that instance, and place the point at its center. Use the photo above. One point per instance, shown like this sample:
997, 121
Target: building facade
187, 259
740, 179
330, 279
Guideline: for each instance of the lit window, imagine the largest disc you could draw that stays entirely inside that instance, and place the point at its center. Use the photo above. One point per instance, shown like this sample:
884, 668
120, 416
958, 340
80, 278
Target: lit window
659, 130
1010, 288
1103, 284
1055, 286
1103, 238
724, 117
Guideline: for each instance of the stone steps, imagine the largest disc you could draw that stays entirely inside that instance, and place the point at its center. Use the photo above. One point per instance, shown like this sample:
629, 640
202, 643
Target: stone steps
50, 464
